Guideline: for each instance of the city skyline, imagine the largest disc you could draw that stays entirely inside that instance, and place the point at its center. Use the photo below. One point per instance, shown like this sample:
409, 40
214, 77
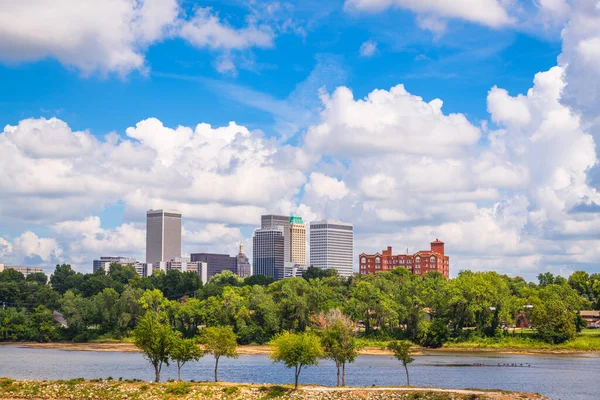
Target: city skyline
475, 125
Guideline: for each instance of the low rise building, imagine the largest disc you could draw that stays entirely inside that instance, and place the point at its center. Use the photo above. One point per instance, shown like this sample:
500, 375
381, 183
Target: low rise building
293, 270
418, 263
183, 264
22, 269
104, 262
216, 263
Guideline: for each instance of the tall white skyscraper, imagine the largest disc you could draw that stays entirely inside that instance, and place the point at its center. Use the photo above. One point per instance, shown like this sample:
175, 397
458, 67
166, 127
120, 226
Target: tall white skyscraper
163, 235
332, 245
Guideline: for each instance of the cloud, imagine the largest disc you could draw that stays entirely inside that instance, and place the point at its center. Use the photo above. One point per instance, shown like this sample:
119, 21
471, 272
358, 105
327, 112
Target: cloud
100, 36
386, 121
485, 12
226, 173
206, 30
325, 186
368, 48
112, 36
30, 247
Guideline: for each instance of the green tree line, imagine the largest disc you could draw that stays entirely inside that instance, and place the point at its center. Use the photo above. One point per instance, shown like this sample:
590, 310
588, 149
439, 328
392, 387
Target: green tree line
427, 310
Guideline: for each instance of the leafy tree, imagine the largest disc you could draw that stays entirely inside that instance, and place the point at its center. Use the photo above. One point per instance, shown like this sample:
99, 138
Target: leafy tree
184, 350
339, 343
545, 279
226, 278
401, 348
220, 342
37, 277
259, 279
155, 339
296, 350
313, 272
11, 275
290, 295
581, 282
64, 278
554, 312
44, 327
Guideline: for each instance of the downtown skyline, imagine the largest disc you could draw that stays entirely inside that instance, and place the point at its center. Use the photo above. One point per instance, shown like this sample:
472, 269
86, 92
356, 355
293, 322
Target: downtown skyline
477, 126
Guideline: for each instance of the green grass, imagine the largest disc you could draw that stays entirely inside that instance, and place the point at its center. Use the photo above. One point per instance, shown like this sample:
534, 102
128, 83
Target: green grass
587, 340
521, 340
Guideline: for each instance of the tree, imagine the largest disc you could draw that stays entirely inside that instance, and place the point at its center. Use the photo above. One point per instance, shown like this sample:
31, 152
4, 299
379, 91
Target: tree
219, 341
155, 339
185, 350
313, 272
296, 350
400, 348
38, 277
258, 279
64, 278
339, 343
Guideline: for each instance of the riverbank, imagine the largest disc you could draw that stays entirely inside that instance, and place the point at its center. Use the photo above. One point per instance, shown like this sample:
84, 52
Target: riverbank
109, 389
369, 350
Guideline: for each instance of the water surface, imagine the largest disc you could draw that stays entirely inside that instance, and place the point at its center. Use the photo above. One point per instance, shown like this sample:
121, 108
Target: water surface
560, 377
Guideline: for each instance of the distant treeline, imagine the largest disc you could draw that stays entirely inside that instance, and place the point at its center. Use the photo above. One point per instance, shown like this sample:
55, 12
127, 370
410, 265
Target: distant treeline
427, 310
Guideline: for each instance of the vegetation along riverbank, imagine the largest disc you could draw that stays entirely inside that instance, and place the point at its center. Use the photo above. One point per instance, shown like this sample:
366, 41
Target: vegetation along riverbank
113, 390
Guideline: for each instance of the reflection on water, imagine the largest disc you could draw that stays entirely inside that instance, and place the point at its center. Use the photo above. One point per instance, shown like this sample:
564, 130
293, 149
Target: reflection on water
559, 377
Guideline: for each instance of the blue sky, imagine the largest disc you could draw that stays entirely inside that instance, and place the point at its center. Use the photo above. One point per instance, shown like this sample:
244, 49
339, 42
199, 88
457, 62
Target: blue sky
274, 68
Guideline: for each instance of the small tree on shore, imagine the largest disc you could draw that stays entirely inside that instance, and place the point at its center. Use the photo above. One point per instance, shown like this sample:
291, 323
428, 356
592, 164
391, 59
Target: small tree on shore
400, 348
296, 350
219, 341
339, 343
185, 350
155, 338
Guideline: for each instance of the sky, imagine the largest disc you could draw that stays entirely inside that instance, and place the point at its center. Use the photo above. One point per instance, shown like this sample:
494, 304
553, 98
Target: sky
471, 121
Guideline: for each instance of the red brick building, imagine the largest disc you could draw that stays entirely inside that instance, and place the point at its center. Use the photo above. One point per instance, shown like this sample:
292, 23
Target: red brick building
419, 263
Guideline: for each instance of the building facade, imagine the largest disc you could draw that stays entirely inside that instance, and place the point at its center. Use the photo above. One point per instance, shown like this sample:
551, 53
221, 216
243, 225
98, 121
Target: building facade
104, 262
216, 263
418, 263
142, 268
297, 241
332, 246
243, 267
269, 252
23, 269
163, 235
184, 264
282, 223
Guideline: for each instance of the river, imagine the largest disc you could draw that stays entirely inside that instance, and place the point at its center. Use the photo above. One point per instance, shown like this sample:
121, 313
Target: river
560, 377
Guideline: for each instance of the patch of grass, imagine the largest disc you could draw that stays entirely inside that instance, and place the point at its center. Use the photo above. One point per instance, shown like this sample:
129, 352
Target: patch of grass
525, 340
179, 389
229, 390
6, 382
275, 391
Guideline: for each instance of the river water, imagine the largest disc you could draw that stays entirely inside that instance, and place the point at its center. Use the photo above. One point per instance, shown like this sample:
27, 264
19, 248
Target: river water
572, 377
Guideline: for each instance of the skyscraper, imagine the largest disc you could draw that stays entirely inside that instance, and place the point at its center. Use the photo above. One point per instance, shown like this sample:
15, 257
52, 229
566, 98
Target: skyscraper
282, 223
269, 252
332, 245
163, 235
297, 241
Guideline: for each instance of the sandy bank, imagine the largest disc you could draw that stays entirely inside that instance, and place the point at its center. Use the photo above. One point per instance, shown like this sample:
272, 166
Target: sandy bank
263, 349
